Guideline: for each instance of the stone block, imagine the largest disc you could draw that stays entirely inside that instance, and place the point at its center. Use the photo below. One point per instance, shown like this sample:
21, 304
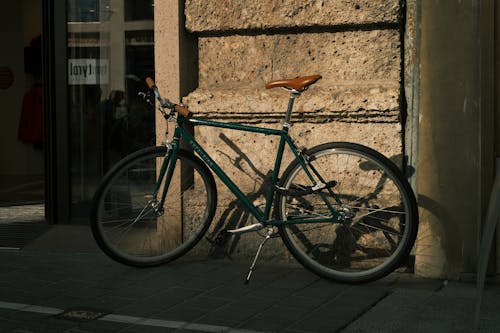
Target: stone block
207, 15
318, 104
237, 61
242, 45
360, 69
248, 159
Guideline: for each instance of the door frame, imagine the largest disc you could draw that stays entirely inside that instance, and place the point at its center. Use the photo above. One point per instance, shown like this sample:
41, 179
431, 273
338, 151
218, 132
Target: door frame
56, 118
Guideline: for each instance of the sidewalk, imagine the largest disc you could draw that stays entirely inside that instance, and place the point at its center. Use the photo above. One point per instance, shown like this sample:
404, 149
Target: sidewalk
59, 284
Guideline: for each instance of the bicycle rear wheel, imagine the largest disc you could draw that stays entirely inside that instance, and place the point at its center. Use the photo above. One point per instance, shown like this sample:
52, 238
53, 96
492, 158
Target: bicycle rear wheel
379, 212
127, 222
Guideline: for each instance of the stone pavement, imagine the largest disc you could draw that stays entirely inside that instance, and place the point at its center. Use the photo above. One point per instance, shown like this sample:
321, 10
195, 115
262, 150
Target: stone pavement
62, 283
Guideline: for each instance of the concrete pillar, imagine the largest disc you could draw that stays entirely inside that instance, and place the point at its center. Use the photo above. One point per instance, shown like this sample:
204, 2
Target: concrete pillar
449, 168
176, 55
175, 75
167, 71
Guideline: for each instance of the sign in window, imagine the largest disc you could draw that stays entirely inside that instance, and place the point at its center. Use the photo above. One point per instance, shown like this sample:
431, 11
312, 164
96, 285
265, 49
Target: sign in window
88, 71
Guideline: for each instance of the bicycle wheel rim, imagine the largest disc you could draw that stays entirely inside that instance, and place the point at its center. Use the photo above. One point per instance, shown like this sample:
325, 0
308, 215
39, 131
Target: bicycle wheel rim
380, 230
132, 230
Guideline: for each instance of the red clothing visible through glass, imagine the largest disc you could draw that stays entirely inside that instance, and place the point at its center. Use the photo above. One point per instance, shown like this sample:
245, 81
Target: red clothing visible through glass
31, 121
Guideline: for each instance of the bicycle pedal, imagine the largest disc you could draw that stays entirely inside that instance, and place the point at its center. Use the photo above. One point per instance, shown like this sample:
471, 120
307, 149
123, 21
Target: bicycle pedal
248, 228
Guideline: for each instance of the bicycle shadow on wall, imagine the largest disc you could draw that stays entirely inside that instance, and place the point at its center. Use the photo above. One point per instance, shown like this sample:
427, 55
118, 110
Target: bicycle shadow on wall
364, 238
372, 233
434, 246
223, 244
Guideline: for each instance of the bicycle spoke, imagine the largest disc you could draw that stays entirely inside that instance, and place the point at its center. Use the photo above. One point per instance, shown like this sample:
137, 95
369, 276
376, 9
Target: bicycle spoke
376, 211
394, 233
131, 226
133, 222
381, 220
310, 212
375, 206
316, 227
365, 197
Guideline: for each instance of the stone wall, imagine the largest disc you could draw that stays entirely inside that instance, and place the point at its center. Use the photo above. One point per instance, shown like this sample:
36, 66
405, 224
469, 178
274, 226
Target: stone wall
355, 45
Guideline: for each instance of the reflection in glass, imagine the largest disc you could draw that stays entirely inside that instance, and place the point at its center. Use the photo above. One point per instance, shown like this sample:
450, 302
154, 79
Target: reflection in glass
108, 60
138, 10
83, 11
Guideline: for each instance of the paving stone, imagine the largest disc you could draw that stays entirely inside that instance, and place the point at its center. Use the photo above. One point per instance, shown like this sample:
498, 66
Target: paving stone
183, 312
286, 300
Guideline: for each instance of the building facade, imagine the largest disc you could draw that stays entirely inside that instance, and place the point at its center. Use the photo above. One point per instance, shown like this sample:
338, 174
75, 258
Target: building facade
413, 79
235, 49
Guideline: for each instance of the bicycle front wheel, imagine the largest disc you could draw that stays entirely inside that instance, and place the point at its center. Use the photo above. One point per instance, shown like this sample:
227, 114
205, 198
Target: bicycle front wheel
128, 221
378, 212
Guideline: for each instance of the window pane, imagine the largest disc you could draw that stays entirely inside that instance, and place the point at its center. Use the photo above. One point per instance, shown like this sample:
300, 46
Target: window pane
138, 10
107, 63
83, 11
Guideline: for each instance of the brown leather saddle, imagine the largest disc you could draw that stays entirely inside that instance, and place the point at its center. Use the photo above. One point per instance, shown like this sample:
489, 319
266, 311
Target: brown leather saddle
300, 83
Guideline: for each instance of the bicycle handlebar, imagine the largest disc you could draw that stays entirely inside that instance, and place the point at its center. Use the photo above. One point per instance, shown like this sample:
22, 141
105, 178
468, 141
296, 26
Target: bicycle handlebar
165, 103
182, 110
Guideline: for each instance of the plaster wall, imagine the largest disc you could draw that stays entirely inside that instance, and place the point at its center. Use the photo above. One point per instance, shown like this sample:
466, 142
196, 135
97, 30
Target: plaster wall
449, 168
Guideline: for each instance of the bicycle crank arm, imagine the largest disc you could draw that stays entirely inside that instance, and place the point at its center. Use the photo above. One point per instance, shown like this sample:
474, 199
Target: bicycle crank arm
248, 228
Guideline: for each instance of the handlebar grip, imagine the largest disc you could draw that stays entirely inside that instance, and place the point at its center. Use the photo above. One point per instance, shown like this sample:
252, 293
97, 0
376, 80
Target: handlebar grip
150, 82
179, 108
182, 110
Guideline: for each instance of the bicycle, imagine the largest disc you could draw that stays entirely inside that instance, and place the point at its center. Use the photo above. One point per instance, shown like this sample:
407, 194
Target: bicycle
343, 210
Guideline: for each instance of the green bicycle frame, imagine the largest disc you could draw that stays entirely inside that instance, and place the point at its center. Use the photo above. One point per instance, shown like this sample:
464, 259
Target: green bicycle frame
263, 217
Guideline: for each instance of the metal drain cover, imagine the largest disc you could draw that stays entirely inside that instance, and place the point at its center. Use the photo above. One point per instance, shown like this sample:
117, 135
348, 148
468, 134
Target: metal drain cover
82, 314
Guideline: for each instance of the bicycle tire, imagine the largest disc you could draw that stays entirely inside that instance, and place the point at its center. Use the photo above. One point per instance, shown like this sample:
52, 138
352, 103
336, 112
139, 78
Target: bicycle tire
379, 208
127, 227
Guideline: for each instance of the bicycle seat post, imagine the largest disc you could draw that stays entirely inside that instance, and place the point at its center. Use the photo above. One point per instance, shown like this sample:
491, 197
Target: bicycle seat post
293, 94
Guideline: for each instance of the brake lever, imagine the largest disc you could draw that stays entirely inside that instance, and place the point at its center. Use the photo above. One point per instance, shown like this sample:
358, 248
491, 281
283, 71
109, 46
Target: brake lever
165, 103
145, 97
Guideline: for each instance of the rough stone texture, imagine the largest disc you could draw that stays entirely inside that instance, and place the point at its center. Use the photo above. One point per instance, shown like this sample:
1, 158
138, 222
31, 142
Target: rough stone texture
357, 57
360, 72
333, 103
206, 15
354, 45
248, 159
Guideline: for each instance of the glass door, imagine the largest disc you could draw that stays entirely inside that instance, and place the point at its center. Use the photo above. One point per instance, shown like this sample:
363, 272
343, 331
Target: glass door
110, 48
